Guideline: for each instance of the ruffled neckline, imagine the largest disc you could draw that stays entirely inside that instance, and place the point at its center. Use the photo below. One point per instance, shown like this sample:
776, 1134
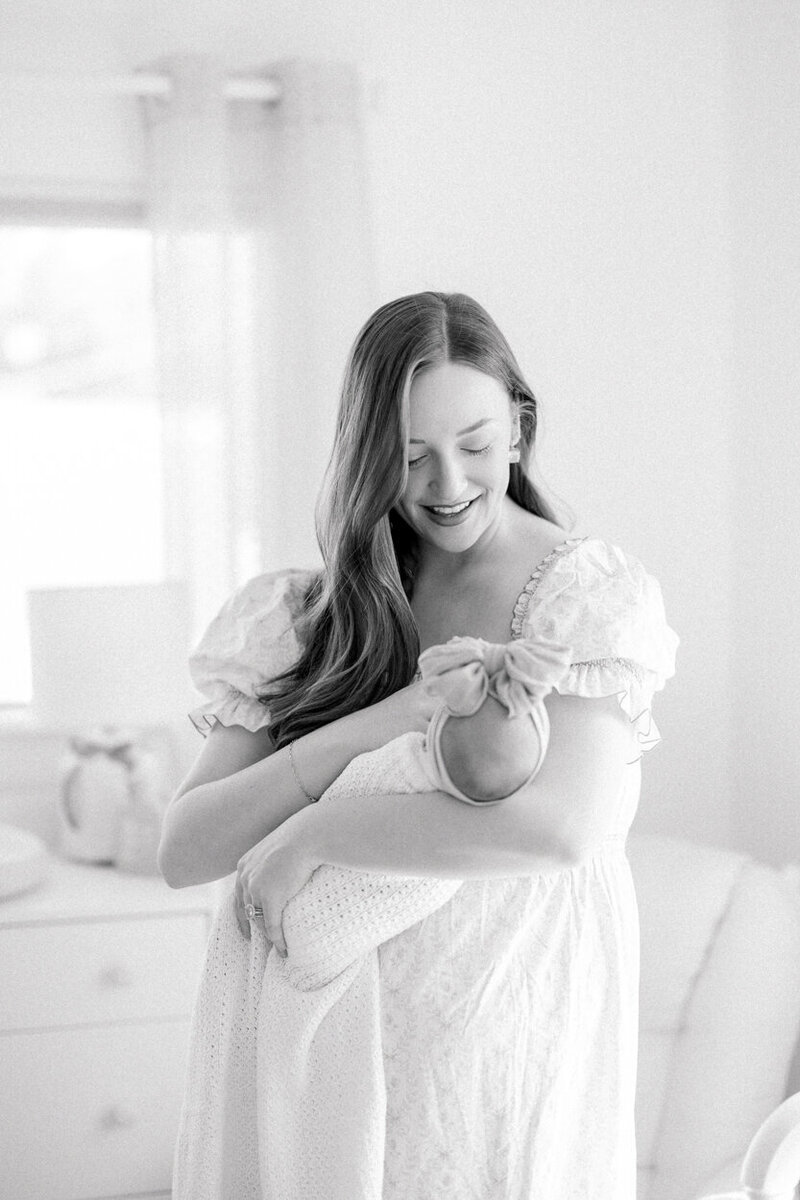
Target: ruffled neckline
525, 597
539, 571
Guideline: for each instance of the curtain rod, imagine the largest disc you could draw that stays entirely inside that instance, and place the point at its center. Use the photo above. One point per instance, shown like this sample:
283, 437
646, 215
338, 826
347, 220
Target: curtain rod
145, 84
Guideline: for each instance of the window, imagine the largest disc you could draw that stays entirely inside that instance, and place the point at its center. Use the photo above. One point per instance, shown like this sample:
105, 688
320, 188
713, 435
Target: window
80, 450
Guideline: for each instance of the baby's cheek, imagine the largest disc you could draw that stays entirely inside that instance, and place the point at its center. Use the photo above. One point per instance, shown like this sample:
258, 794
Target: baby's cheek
488, 755
464, 750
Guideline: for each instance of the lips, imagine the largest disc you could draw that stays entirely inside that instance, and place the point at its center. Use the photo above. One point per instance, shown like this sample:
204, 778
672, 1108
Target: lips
448, 520
450, 507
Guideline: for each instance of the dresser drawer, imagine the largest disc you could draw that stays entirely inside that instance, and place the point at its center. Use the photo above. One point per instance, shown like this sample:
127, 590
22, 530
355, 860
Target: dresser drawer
96, 971
90, 1112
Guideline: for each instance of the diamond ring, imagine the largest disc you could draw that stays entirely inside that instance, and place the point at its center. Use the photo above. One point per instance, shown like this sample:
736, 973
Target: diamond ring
253, 912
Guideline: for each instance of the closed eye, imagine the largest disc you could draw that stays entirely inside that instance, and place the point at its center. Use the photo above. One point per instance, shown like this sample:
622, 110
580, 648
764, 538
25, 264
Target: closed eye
414, 462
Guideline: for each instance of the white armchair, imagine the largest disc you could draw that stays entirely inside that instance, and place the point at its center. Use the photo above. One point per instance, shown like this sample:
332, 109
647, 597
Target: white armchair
771, 1168
719, 1020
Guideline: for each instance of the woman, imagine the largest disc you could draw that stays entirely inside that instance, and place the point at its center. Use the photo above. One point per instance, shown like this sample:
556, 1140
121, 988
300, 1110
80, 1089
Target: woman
508, 1014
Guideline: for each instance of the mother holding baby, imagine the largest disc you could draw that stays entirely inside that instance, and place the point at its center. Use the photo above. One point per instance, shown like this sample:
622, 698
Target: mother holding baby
426, 984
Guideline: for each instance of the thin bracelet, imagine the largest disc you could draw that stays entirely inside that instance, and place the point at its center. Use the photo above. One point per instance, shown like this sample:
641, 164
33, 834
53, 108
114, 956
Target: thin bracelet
308, 795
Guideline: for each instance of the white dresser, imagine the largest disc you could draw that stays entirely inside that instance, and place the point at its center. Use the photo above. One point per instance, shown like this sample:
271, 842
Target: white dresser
98, 973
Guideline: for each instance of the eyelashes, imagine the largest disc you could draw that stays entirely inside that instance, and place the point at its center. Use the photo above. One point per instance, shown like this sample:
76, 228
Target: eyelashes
413, 462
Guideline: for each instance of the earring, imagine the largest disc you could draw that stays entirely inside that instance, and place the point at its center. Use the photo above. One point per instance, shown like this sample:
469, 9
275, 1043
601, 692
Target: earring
513, 453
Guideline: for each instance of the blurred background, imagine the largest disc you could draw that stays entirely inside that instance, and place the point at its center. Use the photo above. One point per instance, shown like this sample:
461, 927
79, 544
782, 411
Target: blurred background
200, 204
180, 283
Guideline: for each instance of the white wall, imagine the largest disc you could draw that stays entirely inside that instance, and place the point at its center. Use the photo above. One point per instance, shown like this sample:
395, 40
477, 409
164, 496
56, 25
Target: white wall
765, 507
587, 173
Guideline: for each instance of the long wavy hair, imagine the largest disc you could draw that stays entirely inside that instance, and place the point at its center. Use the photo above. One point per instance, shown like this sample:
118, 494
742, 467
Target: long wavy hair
358, 637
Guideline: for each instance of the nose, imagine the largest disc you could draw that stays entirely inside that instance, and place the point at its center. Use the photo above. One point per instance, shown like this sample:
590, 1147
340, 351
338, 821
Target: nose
448, 479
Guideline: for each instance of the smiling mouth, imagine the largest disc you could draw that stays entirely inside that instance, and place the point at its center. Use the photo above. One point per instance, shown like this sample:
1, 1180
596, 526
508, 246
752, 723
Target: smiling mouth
449, 510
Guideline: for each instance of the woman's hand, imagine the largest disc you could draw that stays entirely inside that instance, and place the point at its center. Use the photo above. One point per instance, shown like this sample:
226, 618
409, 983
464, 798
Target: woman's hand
269, 875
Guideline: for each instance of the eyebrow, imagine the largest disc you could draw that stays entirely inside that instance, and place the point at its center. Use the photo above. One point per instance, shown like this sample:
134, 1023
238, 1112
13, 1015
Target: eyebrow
461, 432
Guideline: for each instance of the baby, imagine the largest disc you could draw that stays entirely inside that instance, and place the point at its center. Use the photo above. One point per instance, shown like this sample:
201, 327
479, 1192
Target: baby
485, 742
484, 756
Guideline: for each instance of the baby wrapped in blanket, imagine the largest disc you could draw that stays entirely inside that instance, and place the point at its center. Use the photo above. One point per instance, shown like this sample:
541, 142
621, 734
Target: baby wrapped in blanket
306, 1033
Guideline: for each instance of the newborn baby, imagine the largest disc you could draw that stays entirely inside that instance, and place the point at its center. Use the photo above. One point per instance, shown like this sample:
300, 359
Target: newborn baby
486, 755
485, 742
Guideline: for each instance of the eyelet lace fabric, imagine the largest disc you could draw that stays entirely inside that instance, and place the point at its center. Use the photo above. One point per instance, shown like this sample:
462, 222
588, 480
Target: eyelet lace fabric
471, 1040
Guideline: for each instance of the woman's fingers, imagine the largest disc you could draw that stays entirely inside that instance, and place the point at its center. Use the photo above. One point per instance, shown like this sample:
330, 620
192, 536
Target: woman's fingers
241, 915
269, 875
271, 906
272, 923
275, 935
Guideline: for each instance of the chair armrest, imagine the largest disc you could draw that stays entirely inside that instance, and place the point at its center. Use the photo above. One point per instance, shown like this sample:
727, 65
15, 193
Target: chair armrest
724, 1182
771, 1168
772, 1163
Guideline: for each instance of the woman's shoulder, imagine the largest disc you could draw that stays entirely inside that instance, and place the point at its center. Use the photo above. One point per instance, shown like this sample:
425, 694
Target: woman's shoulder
249, 641
593, 566
256, 618
536, 544
272, 592
587, 563
533, 538
590, 593
600, 601
551, 549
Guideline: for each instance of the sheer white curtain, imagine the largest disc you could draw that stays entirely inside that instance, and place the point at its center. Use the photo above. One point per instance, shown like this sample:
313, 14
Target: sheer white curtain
264, 273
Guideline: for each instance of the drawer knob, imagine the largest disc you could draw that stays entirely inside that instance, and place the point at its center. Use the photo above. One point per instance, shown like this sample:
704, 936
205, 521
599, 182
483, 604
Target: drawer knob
116, 1118
114, 976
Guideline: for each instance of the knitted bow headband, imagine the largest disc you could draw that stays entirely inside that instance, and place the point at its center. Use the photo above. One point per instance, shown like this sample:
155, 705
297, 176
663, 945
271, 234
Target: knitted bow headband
463, 671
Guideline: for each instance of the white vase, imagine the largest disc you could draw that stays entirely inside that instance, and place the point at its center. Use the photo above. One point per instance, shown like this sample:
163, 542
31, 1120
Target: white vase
93, 798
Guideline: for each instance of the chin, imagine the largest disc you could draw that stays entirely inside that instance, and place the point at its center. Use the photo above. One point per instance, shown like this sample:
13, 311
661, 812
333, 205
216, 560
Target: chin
456, 538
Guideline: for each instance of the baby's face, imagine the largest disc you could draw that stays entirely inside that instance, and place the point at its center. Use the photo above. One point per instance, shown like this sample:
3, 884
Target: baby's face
461, 428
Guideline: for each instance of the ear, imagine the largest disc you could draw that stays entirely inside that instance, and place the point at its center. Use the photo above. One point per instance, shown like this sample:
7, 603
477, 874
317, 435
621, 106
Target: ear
515, 429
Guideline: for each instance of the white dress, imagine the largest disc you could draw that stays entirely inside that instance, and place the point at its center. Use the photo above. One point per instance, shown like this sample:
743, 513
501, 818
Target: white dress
508, 1016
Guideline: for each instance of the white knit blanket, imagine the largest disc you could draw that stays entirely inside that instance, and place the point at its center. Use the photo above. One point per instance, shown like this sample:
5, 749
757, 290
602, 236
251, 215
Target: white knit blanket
297, 1041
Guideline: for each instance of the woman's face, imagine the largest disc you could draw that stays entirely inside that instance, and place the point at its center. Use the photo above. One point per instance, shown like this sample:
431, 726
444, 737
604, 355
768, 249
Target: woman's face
461, 429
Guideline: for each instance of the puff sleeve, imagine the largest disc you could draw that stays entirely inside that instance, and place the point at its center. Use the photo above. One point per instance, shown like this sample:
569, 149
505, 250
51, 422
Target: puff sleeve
602, 603
249, 642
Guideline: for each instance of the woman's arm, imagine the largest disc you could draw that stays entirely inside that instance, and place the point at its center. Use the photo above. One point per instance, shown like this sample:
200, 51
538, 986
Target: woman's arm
241, 788
559, 819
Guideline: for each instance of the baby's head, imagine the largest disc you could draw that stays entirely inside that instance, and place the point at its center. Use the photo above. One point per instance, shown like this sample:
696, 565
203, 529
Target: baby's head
488, 737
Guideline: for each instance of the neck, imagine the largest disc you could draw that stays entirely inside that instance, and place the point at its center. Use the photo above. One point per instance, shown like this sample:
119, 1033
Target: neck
442, 564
